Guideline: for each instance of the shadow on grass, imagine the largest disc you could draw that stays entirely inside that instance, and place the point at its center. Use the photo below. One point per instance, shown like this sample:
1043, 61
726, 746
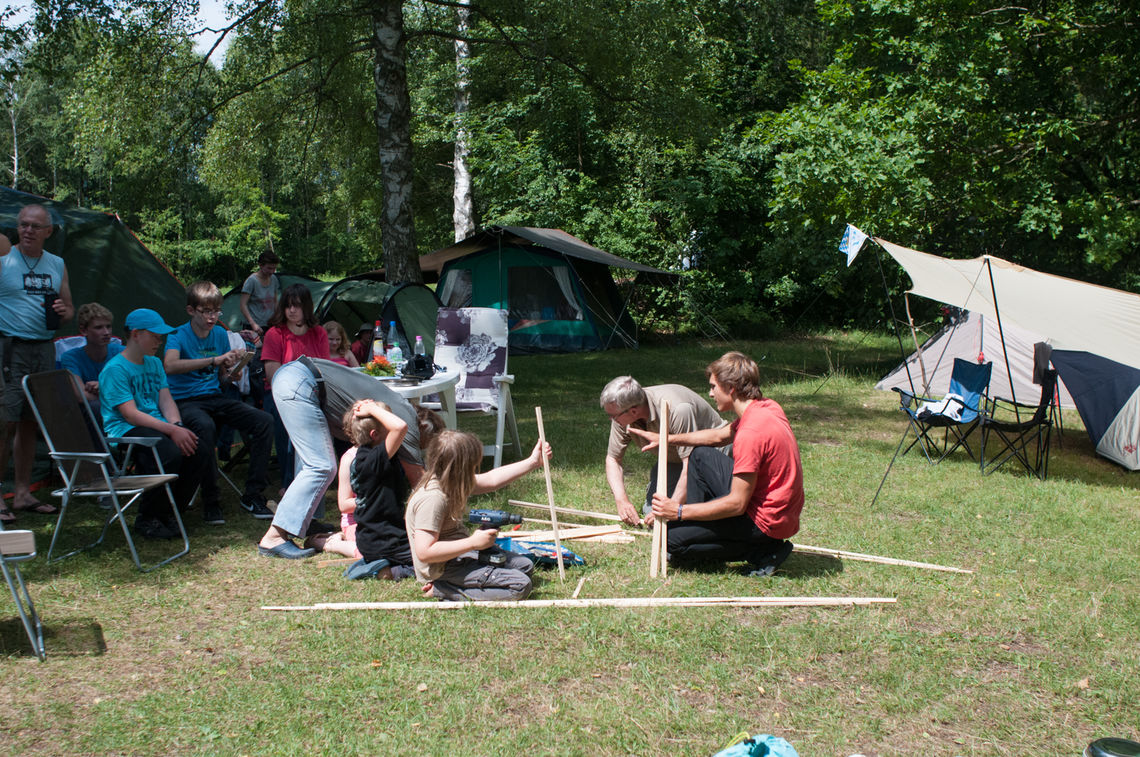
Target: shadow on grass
70, 637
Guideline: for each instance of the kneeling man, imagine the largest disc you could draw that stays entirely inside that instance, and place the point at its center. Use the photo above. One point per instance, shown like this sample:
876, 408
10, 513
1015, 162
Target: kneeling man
750, 512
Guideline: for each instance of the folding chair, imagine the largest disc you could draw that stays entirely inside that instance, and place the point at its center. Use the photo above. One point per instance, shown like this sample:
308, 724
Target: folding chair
473, 342
956, 414
1023, 437
17, 547
85, 462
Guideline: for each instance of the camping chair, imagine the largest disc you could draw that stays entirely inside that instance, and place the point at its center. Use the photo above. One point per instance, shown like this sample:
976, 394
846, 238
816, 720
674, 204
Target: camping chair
17, 547
85, 462
1024, 437
956, 414
473, 342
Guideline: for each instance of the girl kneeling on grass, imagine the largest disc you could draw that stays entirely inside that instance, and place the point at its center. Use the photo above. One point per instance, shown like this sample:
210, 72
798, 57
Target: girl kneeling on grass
447, 557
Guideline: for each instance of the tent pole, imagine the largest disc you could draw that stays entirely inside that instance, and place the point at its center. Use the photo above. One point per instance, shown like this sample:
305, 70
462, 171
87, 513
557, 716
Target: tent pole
894, 322
1001, 334
917, 346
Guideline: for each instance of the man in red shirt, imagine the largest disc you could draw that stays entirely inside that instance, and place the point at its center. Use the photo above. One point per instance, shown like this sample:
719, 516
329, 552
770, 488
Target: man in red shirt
750, 512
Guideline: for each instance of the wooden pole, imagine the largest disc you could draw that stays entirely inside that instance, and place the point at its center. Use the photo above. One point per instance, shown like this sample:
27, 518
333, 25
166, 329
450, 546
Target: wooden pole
659, 553
600, 602
550, 495
876, 559
563, 510
578, 588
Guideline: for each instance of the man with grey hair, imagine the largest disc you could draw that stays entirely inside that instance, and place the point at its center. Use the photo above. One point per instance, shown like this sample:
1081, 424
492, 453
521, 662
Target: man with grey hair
628, 404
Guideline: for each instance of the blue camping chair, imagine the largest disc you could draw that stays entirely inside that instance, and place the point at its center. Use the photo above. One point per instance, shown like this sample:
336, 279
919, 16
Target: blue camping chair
940, 426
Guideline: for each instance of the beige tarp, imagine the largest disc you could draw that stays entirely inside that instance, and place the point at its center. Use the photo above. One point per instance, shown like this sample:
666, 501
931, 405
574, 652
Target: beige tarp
1068, 314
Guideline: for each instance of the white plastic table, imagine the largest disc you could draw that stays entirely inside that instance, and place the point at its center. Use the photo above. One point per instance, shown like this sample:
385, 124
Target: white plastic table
442, 384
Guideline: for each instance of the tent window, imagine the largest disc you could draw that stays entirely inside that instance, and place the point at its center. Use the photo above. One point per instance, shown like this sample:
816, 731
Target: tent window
455, 289
542, 293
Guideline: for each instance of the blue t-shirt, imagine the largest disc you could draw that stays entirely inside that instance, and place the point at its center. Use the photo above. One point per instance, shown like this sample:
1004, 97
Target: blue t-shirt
120, 381
22, 288
202, 382
77, 361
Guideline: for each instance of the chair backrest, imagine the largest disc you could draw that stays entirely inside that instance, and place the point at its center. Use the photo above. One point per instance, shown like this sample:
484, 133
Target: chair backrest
473, 342
65, 418
971, 381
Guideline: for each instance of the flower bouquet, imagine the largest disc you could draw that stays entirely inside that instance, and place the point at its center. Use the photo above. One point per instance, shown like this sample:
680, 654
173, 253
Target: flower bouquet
379, 366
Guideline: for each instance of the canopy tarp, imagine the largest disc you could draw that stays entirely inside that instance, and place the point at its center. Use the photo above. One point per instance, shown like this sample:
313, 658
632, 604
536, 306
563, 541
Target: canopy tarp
1068, 314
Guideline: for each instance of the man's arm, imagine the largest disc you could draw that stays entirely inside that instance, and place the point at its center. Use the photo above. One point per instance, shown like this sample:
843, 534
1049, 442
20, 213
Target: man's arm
63, 305
184, 438
173, 362
709, 437
246, 314
615, 475
730, 505
682, 487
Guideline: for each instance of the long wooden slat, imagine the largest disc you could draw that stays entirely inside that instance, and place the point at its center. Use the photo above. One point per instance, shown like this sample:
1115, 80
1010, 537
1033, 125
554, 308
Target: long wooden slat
563, 510
550, 496
599, 602
839, 553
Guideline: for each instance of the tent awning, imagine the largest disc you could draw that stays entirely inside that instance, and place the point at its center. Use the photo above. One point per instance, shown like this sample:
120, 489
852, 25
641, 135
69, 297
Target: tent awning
1069, 314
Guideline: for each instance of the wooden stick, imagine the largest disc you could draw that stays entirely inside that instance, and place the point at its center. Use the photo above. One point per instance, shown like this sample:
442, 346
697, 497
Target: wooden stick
563, 510
335, 561
550, 495
659, 551
875, 558
600, 602
563, 533
581, 581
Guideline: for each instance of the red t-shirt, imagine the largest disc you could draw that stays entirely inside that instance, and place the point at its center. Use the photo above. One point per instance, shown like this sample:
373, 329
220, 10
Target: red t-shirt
763, 443
283, 346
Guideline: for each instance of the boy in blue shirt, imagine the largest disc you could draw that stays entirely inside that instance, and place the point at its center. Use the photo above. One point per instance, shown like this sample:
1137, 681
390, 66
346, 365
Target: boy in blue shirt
136, 402
195, 354
87, 361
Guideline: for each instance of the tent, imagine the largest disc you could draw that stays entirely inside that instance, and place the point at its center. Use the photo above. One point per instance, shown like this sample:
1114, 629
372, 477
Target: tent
1080, 321
558, 291
106, 263
363, 298
968, 336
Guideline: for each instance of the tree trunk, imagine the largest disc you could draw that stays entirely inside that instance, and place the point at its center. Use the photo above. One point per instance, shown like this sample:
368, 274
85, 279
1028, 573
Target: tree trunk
393, 131
463, 213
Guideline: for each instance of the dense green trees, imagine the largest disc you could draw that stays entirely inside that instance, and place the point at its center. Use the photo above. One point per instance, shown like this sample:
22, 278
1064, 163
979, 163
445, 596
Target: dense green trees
729, 138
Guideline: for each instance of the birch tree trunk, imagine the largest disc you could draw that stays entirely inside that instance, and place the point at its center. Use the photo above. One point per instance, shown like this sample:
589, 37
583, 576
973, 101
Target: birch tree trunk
393, 131
463, 213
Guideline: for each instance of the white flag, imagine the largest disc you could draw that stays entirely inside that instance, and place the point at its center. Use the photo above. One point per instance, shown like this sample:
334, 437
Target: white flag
851, 243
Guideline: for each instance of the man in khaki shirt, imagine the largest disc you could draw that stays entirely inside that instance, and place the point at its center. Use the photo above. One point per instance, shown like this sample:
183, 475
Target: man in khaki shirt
627, 404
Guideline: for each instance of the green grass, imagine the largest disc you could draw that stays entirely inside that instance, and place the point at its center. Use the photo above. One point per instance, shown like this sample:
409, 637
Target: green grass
1035, 653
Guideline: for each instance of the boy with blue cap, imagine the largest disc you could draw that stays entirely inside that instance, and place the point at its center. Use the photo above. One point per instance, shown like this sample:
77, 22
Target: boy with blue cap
136, 401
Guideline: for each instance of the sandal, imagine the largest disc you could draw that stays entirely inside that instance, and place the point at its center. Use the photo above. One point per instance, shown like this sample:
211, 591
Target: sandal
43, 508
7, 516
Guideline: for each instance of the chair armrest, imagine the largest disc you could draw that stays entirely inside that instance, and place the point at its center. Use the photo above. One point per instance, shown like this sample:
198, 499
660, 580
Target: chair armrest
20, 544
142, 441
906, 398
94, 457
504, 378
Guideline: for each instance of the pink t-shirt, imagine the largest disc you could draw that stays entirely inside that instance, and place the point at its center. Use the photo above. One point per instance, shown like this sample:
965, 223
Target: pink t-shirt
763, 443
283, 346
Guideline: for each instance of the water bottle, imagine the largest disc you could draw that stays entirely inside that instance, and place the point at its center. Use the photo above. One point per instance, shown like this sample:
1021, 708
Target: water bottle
395, 354
377, 341
420, 349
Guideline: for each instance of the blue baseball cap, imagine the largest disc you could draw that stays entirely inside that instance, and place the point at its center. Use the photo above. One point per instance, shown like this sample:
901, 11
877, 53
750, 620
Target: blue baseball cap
148, 320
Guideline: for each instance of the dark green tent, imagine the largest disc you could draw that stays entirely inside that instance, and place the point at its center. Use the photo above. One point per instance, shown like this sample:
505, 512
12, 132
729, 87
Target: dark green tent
106, 263
559, 292
363, 298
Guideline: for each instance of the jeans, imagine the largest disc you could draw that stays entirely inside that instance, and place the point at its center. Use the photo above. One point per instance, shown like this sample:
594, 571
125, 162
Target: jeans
204, 415
299, 408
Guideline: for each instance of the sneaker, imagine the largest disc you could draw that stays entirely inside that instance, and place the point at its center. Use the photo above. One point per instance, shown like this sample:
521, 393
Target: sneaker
768, 565
255, 505
153, 528
212, 514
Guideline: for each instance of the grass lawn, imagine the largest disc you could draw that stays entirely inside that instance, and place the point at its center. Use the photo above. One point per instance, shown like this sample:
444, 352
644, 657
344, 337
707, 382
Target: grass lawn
1034, 653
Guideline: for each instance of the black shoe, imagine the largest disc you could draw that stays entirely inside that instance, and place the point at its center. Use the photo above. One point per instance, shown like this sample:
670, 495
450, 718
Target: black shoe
768, 565
318, 527
153, 528
255, 505
212, 514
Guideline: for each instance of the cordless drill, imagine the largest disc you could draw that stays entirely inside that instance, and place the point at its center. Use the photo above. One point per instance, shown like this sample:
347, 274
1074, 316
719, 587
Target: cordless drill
488, 519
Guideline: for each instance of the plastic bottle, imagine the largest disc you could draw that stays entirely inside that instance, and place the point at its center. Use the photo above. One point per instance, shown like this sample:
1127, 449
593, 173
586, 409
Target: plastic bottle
395, 354
420, 349
377, 341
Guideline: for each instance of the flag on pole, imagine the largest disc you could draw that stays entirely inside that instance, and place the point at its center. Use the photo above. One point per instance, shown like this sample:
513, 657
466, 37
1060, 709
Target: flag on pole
851, 243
